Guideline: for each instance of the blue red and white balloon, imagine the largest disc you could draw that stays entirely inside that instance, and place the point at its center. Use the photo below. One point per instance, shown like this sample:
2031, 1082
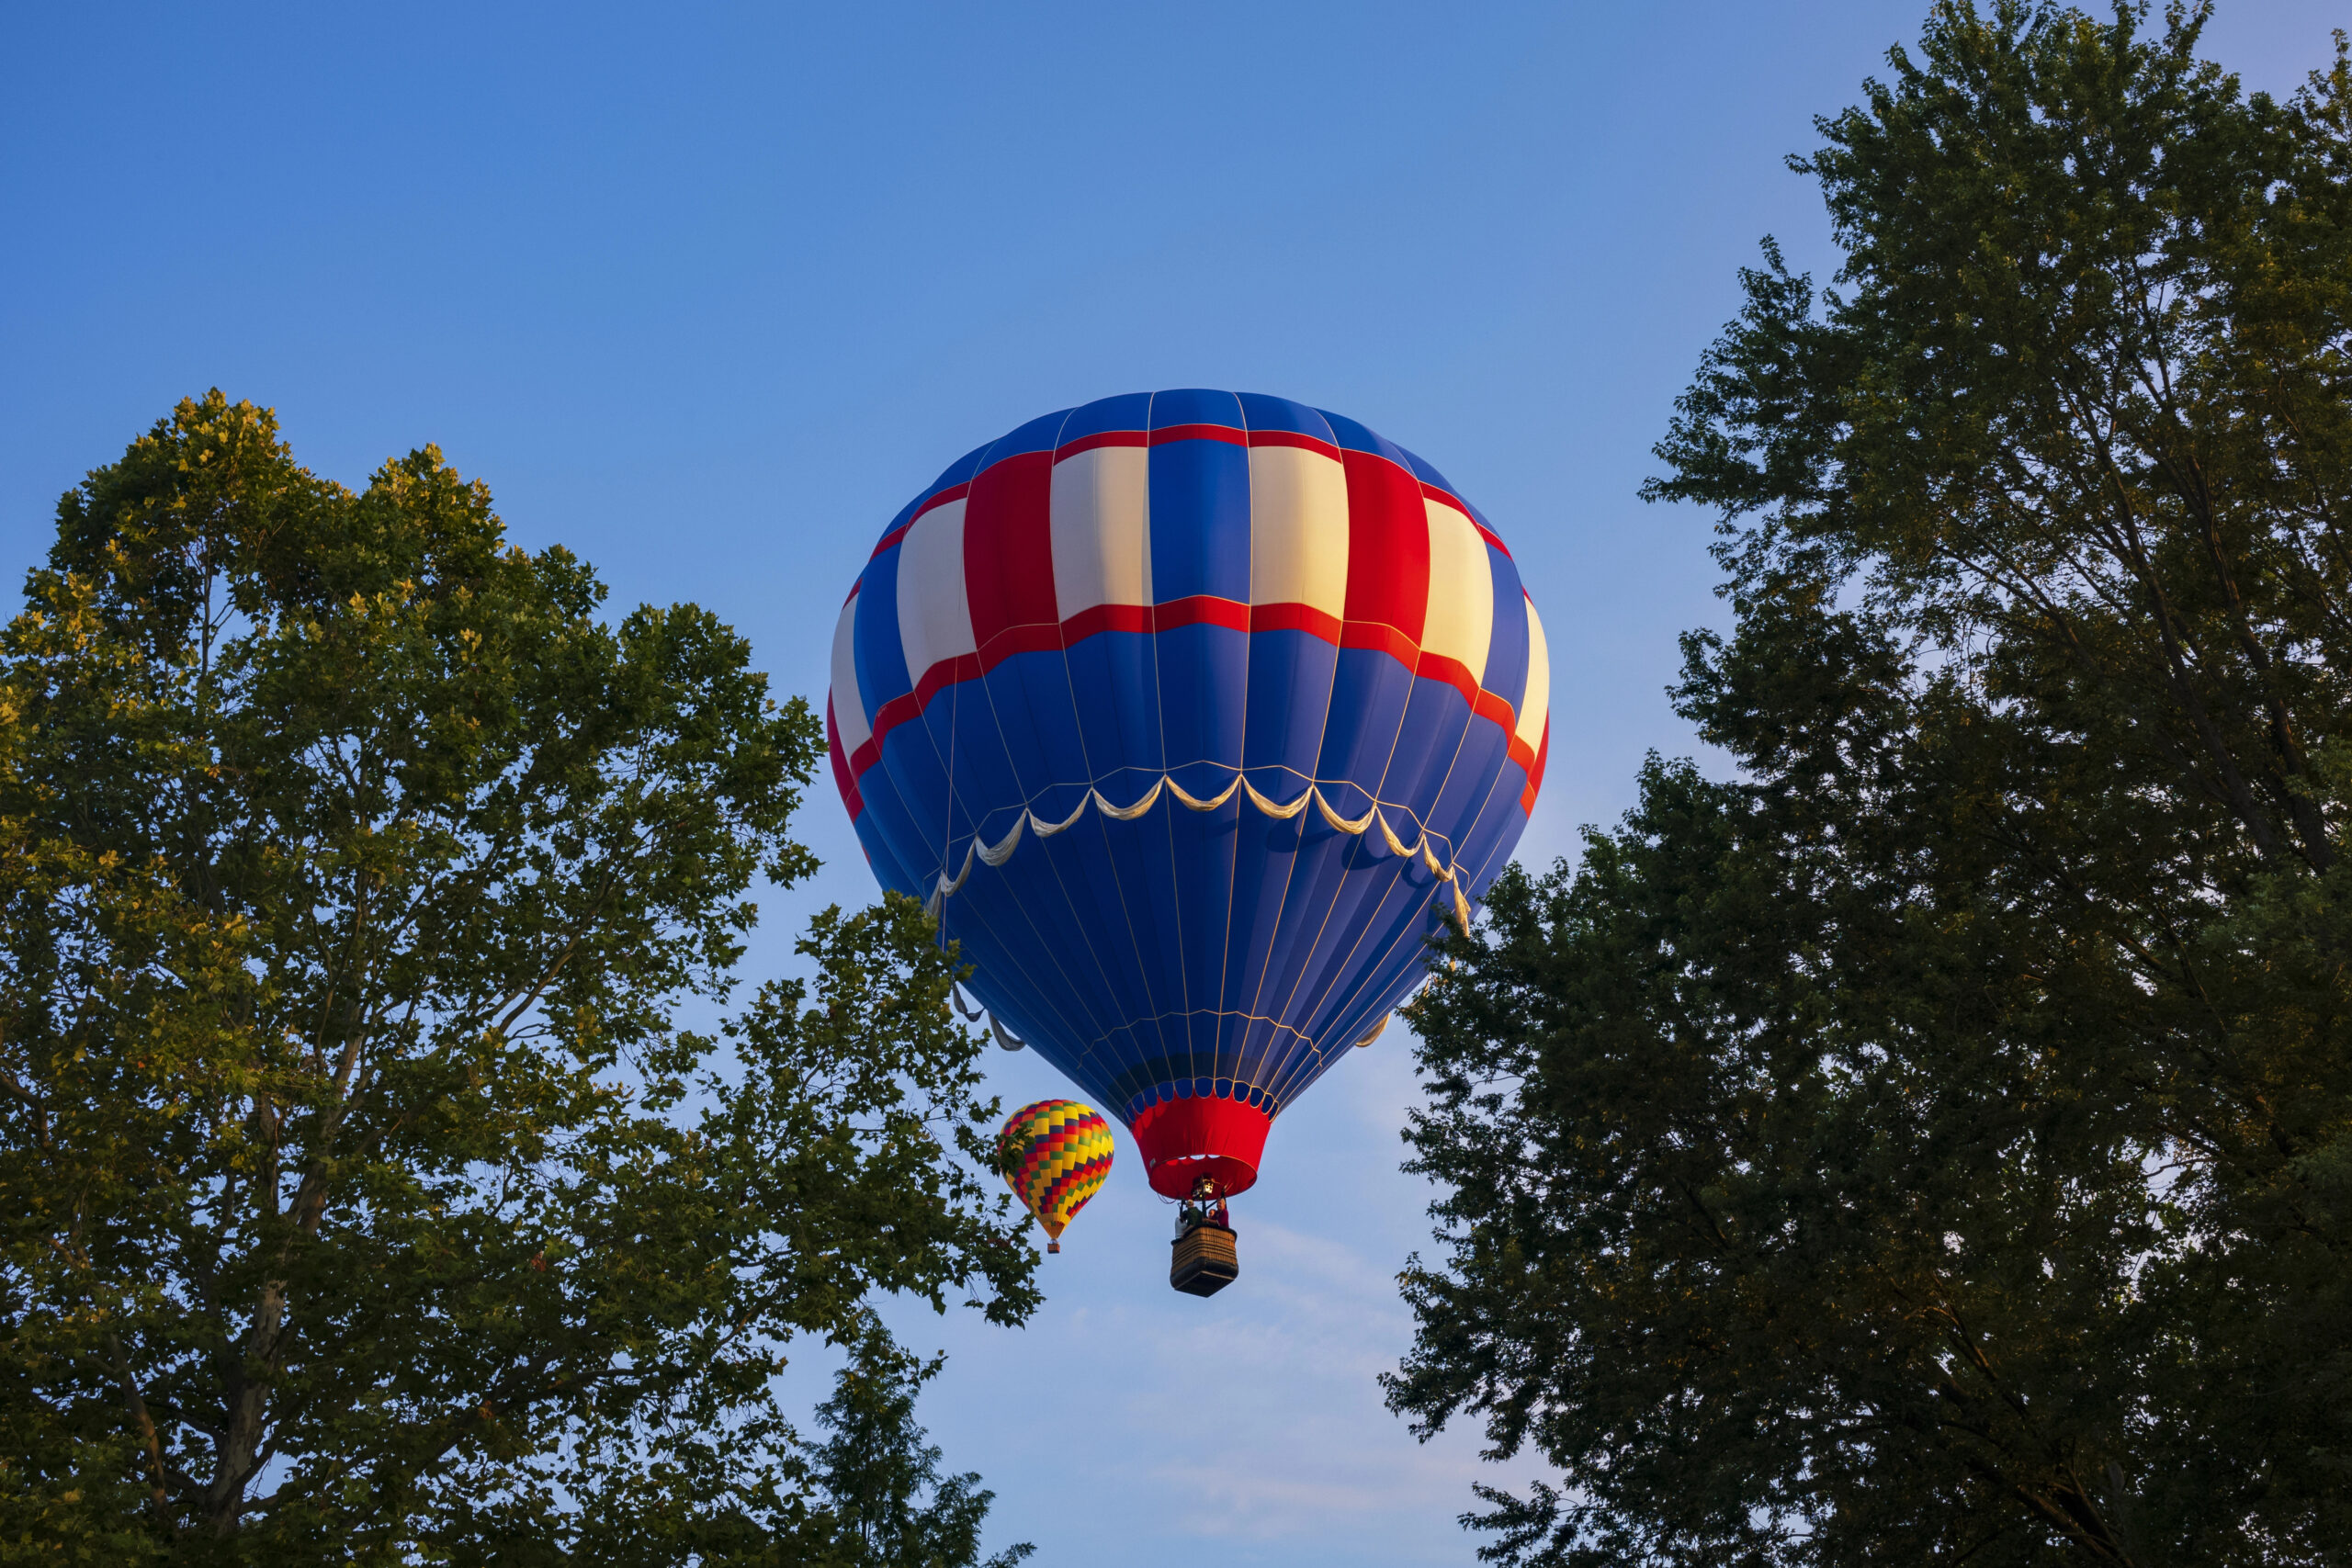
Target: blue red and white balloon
1191, 715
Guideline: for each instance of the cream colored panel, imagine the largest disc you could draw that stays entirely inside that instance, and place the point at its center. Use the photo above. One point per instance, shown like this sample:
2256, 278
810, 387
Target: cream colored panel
1536, 706
1102, 525
849, 706
1298, 529
934, 618
1461, 621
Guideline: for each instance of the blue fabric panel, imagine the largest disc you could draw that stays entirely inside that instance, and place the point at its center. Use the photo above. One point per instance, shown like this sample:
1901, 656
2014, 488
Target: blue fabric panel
1370, 692
1203, 703
1316, 880
906, 515
973, 764
1040, 435
1468, 787
1354, 438
1289, 694
1019, 947
1267, 1037
1029, 694
1114, 678
1352, 938
1109, 936
888, 869
1141, 861
1265, 859
956, 473
1426, 474
875, 645
1130, 412
1333, 874
1203, 846
906, 792
1200, 521
1383, 940
1506, 673
1486, 847
1263, 412
1114, 686
1193, 405
1384, 989
1427, 739
1040, 722
1337, 876
1290, 689
1461, 755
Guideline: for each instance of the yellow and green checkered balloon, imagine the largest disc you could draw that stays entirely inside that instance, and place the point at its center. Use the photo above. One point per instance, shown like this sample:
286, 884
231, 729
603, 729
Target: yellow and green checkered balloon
1055, 1155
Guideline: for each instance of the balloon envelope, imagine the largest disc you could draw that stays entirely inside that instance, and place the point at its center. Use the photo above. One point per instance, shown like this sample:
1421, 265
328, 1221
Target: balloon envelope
1191, 715
1055, 1155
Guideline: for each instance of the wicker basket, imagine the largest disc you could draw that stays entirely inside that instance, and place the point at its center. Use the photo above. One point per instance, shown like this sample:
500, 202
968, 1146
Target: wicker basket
1204, 1261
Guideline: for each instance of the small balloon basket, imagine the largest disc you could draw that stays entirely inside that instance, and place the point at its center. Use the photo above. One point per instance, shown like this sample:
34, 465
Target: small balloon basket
1204, 1261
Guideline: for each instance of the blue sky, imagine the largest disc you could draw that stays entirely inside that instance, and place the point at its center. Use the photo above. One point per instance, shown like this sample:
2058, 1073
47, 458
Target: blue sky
707, 292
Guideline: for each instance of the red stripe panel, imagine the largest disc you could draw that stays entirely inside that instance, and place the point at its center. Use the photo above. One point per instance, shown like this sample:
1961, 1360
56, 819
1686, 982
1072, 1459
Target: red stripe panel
1387, 639
1453, 671
1106, 618
1162, 436
1034, 637
1294, 618
1494, 710
1201, 609
1535, 774
1294, 438
843, 779
1198, 609
1100, 438
946, 672
1008, 548
1388, 547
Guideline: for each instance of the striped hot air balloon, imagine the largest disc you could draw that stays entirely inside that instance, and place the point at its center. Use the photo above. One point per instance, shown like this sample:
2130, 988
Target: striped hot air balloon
1190, 714
1055, 1154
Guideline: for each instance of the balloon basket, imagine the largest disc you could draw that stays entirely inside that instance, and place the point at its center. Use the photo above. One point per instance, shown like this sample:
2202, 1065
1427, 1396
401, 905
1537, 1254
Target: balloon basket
1204, 1261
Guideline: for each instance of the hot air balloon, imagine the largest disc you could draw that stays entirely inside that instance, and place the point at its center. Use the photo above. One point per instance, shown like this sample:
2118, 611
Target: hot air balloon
1190, 715
1055, 1154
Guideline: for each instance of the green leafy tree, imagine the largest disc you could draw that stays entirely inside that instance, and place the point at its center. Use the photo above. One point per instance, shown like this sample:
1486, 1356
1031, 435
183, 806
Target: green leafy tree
886, 1505
359, 1198
1933, 1143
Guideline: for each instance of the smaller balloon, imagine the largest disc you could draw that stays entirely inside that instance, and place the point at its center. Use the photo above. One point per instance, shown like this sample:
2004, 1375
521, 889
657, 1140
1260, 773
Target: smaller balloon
1054, 1155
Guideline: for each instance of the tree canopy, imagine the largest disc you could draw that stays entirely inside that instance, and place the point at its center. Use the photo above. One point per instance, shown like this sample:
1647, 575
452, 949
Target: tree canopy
361, 1197
886, 1504
1933, 1143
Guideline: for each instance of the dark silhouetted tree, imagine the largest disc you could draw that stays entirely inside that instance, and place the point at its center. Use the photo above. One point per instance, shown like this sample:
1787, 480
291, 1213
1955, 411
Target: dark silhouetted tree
1933, 1143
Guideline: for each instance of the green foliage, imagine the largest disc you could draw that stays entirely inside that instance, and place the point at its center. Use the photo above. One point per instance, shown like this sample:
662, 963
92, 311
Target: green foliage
1935, 1142
358, 1199
876, 1469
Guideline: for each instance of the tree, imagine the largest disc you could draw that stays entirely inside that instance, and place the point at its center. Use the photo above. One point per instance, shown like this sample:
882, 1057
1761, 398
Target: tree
360, 1199
875, 1467
1933, 1143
